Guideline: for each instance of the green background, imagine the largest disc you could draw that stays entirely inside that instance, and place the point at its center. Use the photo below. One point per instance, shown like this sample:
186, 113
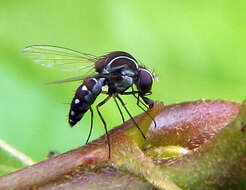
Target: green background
197, 49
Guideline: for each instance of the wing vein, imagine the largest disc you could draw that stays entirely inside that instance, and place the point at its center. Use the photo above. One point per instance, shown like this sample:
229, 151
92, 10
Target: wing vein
60, 58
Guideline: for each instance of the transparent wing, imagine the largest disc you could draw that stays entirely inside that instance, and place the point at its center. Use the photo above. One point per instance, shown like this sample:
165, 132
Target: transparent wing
77, 78
60, 58
72, 79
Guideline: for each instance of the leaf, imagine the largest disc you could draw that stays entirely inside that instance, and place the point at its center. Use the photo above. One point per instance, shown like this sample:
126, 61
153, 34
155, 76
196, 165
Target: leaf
11, 159
215, 131
213, 134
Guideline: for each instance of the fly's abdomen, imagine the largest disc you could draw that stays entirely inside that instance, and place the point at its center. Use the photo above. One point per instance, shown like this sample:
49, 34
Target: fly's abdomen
84, 97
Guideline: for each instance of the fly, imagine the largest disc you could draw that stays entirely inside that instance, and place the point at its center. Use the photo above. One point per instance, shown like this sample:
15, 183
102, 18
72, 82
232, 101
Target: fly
117, 70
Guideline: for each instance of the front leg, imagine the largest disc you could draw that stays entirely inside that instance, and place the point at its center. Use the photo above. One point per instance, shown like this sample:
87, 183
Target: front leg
124, 106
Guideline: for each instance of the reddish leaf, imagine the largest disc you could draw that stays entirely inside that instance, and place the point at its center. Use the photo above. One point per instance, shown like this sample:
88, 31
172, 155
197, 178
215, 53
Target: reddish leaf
215, 159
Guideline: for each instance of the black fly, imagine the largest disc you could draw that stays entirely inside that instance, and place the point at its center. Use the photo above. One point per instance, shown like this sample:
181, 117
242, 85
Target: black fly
117, 70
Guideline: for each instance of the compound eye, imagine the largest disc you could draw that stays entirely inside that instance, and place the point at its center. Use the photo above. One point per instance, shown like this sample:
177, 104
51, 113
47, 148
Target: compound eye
144, 84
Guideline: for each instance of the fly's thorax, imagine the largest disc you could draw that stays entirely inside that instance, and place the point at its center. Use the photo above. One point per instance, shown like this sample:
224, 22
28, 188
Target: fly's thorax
119, 83
100, 64
129, 73
84, 97
116, 61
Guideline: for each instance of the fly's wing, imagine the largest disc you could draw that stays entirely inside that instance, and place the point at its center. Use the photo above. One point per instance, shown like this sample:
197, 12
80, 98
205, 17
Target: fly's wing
77, 78
71, 79
61, 58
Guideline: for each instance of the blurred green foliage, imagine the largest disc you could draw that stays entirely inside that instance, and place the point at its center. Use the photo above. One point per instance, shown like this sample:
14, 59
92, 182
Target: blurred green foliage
11, 159
197, 49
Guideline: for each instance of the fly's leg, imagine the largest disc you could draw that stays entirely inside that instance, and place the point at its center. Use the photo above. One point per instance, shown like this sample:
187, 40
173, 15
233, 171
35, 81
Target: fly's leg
121, 114
138, 104
124, 106
140, 101
148, 101
104, 123
88, 138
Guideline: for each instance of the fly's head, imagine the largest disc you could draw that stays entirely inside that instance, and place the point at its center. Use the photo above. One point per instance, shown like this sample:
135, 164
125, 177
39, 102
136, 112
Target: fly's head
144, 85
